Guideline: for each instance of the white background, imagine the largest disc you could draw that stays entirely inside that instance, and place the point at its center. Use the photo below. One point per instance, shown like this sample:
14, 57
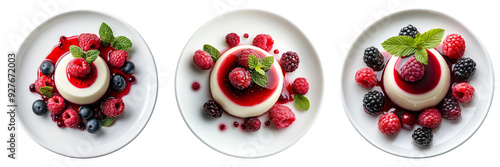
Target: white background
331, 26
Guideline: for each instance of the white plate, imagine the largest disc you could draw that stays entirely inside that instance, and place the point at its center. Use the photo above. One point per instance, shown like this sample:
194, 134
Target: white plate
139, 103
233, 141
450, 134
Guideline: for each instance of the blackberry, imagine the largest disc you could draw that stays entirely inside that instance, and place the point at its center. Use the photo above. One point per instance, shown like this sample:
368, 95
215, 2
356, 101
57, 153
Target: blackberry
373, 102
252, 124
289, 61
464, 68
450, 109
373, 58
422, 136
409, 31
213, 109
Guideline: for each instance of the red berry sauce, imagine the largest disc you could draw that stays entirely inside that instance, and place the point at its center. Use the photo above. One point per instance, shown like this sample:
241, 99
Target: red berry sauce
236, 124
428, 81
222, 127
245, 35
252, 95
267, 123
286, 93
195, 86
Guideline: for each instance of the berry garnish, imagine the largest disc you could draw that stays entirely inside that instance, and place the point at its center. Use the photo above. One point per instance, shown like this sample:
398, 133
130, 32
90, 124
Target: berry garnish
408, 120
289, 61
47, 68
39, 107
70, 118
113, 107
454, 46
117, 58
93, 126
240, 78
430, 117
373, 102
128, 68
462, 92
464, 68
281, 116
263, 41
85, 112
412, 70
88, 41
78, 68
203, 60
118, 82
43, 81
213, 109
242, 57
409, 30
56, 104
300, 86
373, 58
366, 77
402, 46
232, 39
389, 124
422, 136
252, 124
450, 109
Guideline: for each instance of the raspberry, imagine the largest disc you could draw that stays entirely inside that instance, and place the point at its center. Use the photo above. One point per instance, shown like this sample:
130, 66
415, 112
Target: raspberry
113, 107
281, 116
70, 118
389, 124
289, 61
43, 81
373, 102
240, 78
373, 58
462, 92
245, 35
366, 77
408, 31
117, 58
252, 124
232, 39
88, 41
300, 86
450, 109
430, 117
56, 104
464, 68
276, 51
213, 109
422, 136
242, 57
408, 120
78, 68
263, 41
454, 46
412, 70
203, 60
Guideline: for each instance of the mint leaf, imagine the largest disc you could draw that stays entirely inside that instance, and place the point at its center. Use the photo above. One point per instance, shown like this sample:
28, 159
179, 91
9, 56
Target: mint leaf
301, 102
121, 43
46, 91
267, 62
253, 61
431, 38
259, 79
422, 56
76, 51
261, 72
106, 34
212, 51
107, 121
400, 46
92, 55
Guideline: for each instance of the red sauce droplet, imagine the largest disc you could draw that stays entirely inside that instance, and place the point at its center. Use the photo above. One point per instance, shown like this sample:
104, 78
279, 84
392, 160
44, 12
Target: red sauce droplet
195, 86
245, 35
222, 127
267, 123
276, 51
236, 124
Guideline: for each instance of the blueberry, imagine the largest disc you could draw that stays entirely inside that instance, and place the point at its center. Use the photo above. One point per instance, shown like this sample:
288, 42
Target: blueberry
128, 67
93, 126
85, 112
47, 68
118, 82
39, 107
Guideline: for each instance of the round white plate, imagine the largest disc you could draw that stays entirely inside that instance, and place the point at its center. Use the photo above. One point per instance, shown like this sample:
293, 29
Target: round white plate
450, 134
139, 103
234, 141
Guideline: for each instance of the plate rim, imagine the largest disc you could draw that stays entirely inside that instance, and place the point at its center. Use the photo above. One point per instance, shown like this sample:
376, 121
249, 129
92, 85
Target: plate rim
28, 40
316, 57
487, 55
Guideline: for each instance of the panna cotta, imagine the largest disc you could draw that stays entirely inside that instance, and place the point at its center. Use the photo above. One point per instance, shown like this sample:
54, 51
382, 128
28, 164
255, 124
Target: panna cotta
82, 91
254, 100
427, 92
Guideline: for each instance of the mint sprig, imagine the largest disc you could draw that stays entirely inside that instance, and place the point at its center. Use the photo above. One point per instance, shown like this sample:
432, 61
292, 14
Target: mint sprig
89, 57
107, 121
46, 91
107, 38
212, 51
301, 102
259, 69
401, 46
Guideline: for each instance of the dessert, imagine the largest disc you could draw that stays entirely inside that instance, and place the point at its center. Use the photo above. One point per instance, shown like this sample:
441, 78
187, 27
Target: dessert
83, 80
247, 82
418, 84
